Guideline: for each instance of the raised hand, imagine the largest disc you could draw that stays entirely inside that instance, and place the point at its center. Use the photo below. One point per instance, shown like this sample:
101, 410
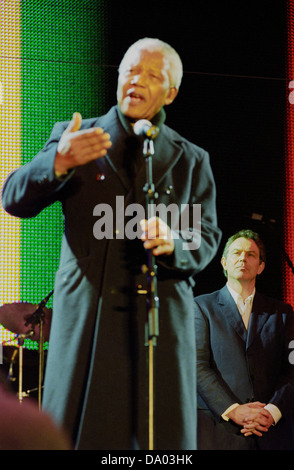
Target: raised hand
78, 147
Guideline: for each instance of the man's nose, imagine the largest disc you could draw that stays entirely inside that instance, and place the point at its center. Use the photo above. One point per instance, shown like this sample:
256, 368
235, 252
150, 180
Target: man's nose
137, 79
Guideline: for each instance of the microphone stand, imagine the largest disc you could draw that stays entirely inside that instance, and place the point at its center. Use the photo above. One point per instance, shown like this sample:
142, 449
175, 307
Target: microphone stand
37, 318
21, 338
151, 325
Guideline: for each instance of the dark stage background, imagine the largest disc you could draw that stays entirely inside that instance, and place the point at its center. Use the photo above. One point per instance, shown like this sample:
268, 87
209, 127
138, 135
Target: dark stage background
232, 102
62, 56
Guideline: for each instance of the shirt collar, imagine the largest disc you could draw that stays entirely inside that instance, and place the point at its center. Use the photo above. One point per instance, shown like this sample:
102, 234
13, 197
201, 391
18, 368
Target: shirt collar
237, 297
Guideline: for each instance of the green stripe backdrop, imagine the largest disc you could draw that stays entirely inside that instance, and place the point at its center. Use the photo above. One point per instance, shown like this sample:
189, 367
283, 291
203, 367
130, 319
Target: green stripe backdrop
63, 58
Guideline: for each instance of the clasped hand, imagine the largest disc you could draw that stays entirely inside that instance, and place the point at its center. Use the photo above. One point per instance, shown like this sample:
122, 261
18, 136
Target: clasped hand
253, 418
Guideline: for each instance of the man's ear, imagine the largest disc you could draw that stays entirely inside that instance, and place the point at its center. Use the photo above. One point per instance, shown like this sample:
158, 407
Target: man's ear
223, 263
261, 268
171, 95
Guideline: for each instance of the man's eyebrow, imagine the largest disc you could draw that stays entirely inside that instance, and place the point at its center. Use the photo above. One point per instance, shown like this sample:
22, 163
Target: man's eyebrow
247, 251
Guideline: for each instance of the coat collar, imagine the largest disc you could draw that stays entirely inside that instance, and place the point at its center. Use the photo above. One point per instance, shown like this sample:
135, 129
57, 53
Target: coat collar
258, 318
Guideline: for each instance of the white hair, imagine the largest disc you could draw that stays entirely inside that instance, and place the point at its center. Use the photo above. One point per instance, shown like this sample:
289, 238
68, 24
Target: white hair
152, 44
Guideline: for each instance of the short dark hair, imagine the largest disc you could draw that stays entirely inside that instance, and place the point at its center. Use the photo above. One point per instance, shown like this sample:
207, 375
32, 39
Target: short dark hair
250, 235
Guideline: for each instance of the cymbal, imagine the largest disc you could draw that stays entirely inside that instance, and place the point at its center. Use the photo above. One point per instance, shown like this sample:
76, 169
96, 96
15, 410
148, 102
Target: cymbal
14, 316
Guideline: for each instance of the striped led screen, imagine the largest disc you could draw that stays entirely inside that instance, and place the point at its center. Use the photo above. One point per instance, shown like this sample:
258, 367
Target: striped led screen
52, 64
288, 277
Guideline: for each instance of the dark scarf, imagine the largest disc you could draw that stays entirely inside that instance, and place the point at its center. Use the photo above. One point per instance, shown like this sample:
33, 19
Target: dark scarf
132, 157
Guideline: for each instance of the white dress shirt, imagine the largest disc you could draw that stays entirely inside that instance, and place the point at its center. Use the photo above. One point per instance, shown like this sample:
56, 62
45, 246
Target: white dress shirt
244, 306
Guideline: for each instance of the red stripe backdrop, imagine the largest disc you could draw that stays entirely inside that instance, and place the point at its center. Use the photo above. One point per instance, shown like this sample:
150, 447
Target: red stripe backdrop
288, 281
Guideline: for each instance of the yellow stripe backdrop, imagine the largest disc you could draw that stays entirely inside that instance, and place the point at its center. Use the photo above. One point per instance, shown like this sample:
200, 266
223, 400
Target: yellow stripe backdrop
10, 144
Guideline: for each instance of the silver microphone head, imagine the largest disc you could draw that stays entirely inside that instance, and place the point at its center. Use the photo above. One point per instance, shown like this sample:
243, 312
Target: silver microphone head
146, 128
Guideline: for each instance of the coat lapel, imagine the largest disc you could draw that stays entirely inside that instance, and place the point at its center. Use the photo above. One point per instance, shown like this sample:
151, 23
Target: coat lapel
167, 153
231, 313
259, 316
111, 124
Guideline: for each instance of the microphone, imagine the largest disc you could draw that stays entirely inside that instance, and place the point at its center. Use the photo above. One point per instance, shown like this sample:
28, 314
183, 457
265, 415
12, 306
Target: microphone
33, 318
145, 128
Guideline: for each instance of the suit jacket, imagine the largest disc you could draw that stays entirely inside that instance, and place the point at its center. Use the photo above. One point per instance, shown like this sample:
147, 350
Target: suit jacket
96, 374
238, 366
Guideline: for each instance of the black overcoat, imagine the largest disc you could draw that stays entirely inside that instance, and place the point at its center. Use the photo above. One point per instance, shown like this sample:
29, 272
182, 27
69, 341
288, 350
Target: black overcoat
96, 373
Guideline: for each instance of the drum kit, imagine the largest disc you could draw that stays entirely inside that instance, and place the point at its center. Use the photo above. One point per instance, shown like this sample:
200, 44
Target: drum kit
27, 321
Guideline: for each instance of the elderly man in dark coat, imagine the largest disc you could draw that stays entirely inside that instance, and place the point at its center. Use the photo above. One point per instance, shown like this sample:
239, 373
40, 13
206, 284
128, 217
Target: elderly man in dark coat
96, 382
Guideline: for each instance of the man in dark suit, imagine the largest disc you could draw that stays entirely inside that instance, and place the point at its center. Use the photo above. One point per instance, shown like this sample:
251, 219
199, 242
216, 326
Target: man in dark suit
96, 382
244, 377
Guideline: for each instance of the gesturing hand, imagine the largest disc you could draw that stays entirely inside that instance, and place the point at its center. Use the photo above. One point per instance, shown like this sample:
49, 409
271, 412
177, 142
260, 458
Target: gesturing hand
78, 147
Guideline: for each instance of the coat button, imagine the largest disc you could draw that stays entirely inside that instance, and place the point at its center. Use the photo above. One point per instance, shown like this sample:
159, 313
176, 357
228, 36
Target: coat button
169, 189
100, 177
